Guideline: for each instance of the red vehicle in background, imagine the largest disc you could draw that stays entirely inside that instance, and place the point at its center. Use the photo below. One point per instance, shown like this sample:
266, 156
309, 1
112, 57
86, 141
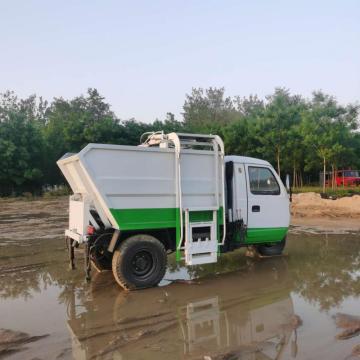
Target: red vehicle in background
344, 178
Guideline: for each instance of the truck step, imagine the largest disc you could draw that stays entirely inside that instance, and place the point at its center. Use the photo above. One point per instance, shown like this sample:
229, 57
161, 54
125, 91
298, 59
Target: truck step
201, 245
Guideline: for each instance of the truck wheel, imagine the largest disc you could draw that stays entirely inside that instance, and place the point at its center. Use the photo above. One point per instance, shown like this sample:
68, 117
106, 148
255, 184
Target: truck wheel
99, 255
272, 249
139, 262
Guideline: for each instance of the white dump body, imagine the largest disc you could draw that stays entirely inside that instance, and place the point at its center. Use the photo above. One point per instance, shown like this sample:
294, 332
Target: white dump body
125, 177
127, 183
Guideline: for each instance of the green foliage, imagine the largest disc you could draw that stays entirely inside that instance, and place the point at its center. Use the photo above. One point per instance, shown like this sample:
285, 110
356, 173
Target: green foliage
21, 144
296, 135
208, 110
281, 115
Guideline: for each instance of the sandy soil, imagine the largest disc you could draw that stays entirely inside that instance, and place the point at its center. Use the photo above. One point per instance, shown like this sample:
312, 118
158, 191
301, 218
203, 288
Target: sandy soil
309, 210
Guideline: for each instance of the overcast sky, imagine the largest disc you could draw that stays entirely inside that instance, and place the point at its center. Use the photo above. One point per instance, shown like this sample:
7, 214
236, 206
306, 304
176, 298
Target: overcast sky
144, 56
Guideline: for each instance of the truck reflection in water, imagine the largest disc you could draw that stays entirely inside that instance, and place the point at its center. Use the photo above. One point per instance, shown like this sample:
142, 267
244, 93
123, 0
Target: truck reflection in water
265, 330
245, 317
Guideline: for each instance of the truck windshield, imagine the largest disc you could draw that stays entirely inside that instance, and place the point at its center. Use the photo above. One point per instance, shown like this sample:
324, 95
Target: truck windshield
351, 173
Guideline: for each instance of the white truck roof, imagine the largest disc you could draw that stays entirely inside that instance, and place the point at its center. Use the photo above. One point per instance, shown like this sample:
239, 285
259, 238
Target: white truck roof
246, 160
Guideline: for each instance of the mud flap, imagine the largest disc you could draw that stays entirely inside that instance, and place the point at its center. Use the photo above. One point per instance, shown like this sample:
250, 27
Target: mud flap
87, 262
69, 242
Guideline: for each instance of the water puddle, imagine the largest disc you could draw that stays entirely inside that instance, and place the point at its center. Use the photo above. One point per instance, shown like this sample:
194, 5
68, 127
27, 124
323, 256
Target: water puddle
295, 306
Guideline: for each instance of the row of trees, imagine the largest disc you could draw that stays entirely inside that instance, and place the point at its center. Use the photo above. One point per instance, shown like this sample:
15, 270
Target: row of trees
299, 136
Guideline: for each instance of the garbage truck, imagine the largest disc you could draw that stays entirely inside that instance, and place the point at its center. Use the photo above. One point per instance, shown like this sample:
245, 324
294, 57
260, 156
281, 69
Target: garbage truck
133, 205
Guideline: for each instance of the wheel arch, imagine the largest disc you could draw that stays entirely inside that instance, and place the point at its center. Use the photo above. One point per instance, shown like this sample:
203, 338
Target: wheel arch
165, 236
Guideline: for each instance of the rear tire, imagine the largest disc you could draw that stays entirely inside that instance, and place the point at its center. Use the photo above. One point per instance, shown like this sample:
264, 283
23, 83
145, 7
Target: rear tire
272, 249
100, 257
139, 262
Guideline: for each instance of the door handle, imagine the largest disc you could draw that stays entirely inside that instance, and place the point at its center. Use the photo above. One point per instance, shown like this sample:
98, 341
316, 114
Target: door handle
255, 208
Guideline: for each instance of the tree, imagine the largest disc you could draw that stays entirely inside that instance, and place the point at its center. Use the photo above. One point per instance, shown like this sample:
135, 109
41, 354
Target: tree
282, 112
21, 144
326, 128
170, 124
294, 155
208, 111
251, 106
72, 124
296, 135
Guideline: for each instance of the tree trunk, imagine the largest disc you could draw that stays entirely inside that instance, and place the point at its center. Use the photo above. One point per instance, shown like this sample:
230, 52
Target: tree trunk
278, 160
297, 178
324, 176
294, 177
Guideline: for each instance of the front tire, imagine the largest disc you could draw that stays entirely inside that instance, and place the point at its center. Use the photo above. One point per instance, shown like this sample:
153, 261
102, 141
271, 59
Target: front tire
272, 249
139, 262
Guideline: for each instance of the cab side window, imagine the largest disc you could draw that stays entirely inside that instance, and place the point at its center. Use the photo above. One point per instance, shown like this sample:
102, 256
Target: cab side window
262, 181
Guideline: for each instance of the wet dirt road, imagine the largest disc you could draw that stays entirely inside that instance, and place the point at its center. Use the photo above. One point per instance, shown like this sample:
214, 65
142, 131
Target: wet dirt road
304, 305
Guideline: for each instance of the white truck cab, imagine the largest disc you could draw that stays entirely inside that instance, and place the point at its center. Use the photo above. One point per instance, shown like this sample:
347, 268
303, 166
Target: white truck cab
258, 198
175, 192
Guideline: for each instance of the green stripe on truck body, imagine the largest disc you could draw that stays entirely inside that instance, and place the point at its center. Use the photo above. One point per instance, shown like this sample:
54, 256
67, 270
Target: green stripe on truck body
157, 218
166, 218
263, 235
142, 219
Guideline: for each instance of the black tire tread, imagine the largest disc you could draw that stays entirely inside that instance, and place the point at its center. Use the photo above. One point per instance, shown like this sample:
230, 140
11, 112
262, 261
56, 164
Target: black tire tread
98, 267
102, 265
274, 250
122, 249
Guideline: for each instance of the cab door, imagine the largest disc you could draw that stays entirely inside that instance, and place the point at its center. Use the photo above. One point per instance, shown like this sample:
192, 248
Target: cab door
268, 205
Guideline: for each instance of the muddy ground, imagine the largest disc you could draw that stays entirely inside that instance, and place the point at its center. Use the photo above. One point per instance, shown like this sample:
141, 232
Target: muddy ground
303, 305
22, 219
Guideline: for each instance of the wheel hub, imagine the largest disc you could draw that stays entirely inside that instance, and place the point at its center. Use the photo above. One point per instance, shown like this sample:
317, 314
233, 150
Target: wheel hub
142, 263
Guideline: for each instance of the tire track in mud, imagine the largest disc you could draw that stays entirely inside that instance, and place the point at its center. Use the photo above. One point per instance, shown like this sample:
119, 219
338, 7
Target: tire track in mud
130, 323
5, 270
125, 339
13, 341
128, 331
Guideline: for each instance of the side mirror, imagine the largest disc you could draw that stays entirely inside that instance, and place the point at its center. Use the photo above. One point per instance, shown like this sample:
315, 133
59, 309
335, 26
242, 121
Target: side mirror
288, 186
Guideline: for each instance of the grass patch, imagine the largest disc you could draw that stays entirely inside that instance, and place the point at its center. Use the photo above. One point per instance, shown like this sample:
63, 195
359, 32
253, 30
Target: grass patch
45, 192
56, 191
305, 189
